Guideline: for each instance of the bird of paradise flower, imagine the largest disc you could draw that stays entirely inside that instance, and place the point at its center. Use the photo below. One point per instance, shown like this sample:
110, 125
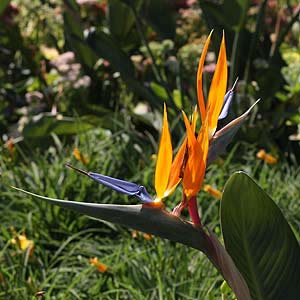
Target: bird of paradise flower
197, 150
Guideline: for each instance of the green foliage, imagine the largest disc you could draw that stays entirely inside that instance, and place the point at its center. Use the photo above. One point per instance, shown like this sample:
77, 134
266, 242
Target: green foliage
94, 76
259, 240
3, 5
290, 98
129, 52
64, 241
216, 18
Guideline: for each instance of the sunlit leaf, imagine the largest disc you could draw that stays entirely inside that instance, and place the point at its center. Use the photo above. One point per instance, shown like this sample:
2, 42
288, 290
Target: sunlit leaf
260, 241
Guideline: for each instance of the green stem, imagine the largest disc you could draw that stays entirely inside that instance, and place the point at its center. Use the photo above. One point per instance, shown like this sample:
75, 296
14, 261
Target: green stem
154, 66
233, 57
258, 25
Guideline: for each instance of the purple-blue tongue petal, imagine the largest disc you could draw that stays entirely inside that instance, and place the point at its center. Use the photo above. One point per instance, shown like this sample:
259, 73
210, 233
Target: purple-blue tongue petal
118, 185
122, 186
227, 101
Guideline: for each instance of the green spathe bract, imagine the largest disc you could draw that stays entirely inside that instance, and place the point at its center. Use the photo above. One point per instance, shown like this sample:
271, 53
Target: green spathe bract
260, 241
159, 222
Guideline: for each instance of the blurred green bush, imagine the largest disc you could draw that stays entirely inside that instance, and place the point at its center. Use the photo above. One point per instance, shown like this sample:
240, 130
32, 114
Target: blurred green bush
69, 66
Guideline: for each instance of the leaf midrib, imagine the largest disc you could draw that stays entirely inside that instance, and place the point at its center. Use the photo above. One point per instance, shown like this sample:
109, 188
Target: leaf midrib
250, 262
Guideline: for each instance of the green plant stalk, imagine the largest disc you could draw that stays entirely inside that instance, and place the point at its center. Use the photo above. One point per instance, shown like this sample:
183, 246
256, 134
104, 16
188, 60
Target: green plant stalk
154, 66
234, 57
258, 25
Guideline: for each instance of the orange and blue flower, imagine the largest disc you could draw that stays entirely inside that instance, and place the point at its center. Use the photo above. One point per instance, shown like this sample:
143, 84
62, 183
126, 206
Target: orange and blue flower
197, 150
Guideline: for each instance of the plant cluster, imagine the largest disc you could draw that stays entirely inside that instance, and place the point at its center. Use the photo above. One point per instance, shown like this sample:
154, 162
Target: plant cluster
92, 84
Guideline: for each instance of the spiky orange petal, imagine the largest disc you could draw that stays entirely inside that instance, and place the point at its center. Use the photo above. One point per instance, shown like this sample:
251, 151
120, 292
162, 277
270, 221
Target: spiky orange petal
177, 165
194, 118
201, 101
217, 89
164, 159
196, 164
179, 161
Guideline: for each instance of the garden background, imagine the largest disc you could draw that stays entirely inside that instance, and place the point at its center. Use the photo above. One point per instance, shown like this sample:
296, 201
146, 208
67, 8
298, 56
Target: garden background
84, 82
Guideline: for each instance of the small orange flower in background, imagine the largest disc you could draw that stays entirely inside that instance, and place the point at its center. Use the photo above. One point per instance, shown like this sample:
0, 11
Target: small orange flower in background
23, 243
153, 157
11, 149
147, 236
267, 158
100, 266
135, 234
10, 145
79, 156
212, 191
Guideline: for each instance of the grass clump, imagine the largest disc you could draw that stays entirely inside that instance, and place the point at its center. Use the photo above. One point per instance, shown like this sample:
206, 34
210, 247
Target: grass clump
138, 267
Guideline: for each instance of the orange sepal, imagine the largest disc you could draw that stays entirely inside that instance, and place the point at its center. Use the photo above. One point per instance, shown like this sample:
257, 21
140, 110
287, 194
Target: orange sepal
217, 90
201, 101
177, 166
194, 118
196, 164
164, 159
180, 160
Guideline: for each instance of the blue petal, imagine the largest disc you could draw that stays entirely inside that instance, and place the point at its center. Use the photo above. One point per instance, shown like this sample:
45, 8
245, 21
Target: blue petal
227, 101
122, 186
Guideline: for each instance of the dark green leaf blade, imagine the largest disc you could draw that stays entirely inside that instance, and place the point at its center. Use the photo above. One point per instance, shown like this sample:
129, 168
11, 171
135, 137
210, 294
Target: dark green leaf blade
161, 15
219, 14
3, 5
105, 46
73, 31
45, 124
260, 241
144, 218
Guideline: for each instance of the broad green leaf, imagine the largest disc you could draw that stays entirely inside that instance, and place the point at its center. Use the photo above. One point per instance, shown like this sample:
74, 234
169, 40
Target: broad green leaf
158, 221
120, 18
159, 90
44, 124
161, 15
105, 47
121, 21
228, 15
144, 218
177, 98
260, 241
73, 31
3, 5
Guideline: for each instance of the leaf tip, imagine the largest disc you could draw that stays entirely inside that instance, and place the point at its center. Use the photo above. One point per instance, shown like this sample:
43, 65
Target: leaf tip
76, 169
